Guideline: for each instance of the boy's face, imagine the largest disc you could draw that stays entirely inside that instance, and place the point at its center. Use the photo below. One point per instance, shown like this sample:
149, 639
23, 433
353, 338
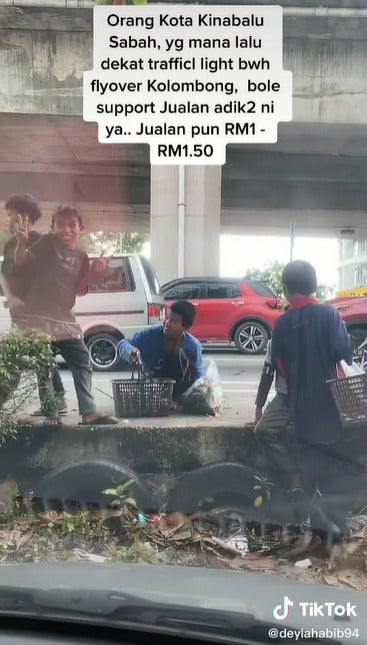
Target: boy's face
173, 327
14, 219
68, 229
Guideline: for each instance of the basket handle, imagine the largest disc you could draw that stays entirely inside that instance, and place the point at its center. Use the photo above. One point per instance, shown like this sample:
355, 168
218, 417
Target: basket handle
141, 369
137, 373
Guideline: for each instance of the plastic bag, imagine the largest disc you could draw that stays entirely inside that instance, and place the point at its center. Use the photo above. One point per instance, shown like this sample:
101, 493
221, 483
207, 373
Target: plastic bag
344, 370
205, 396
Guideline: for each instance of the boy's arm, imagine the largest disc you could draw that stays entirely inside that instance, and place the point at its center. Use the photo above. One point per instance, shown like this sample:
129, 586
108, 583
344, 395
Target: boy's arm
84, 278
129, 350
21, 230
341, 346
38, 252
263, 390
199, 370
266, 380
21, 254
277, 347
90, 273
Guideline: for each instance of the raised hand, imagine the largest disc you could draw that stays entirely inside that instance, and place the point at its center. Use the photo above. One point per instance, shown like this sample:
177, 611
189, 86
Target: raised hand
21, 228
100, 264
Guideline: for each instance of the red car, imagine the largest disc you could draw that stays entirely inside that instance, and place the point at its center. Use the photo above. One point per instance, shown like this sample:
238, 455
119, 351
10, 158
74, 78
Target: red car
235, 310
353, 310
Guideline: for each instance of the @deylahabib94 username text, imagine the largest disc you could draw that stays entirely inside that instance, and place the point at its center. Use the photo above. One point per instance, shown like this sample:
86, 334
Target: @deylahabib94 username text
335, 633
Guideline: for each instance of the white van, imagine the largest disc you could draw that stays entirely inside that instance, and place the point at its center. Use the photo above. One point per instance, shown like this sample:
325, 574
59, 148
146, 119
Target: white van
124, 301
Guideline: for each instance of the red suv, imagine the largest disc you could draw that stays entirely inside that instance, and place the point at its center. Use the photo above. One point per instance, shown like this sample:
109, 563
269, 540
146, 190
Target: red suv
236, 310
353, 310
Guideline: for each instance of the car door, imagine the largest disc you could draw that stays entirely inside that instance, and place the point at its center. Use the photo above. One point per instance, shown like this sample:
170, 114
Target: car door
194, 292
220, 309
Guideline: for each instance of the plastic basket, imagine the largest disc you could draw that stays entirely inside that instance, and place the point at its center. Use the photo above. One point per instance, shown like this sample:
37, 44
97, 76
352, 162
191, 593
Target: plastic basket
141, 397
350, 396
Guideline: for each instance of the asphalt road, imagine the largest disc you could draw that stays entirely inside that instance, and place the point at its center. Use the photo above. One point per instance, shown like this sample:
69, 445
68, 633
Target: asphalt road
239, 376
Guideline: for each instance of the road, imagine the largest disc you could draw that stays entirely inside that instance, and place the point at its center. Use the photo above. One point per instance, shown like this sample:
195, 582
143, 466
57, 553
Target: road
239, 376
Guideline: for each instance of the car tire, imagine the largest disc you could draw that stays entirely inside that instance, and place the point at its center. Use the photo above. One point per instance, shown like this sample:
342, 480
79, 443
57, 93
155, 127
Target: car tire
209, 486
251, 337
103, 351
82, 482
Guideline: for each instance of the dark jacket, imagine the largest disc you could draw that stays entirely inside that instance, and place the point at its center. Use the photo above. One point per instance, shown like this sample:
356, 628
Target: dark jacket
308, 341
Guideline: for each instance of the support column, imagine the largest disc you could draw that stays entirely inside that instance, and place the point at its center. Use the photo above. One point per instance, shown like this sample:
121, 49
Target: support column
164, 221
202, 222
197, 242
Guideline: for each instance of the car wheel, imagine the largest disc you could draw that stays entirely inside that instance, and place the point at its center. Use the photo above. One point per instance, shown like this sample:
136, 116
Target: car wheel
81, 483
251, 337
103, 351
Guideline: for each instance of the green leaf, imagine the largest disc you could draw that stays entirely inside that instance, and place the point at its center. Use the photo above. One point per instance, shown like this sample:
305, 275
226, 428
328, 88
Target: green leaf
110, 491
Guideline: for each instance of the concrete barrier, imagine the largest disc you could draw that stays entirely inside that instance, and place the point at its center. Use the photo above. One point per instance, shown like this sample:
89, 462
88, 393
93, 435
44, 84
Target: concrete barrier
38, 450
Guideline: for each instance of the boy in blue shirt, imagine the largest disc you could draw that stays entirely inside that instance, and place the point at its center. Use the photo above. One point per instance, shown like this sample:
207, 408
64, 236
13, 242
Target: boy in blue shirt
169, 350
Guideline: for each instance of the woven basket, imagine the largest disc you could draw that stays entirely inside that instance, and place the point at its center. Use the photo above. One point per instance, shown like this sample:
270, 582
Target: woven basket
140, 397
350, 396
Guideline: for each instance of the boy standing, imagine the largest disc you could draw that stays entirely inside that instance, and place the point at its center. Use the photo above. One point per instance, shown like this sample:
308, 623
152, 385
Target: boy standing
169, 350
61, 272
308, 341
271, 430
23, 209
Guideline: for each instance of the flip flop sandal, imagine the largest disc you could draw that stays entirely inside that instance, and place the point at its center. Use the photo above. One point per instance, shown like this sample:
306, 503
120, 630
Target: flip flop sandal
39, 413
101, 421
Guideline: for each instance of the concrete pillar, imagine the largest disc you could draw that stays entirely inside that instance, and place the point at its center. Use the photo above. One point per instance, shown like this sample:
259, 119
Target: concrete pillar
195, 245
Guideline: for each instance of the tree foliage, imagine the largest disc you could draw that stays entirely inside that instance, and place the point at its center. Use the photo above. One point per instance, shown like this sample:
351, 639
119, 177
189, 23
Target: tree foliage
271, 273
112, 243
22, 356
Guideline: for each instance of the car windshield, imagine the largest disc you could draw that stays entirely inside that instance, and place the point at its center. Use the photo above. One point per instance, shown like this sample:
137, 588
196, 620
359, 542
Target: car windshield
183, 318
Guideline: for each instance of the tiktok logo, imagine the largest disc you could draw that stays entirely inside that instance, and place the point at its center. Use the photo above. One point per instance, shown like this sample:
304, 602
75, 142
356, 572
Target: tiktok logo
281, 612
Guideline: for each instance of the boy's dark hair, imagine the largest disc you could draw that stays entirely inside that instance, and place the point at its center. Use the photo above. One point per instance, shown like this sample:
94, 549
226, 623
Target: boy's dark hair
24, 204
300, 277
186, 310
66, 209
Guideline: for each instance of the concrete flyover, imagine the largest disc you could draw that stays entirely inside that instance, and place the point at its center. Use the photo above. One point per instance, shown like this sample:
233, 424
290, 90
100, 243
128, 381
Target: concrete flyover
315, 174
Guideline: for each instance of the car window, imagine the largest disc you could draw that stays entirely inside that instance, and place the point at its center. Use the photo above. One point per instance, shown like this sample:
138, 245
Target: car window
262, 289
223, 290
151, 276
117, 277
186, 291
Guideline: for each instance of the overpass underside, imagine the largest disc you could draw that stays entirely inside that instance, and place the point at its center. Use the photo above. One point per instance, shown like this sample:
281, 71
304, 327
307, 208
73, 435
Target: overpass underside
316, 175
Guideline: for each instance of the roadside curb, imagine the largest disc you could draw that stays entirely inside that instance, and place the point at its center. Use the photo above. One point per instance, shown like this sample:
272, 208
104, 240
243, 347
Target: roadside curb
38, 449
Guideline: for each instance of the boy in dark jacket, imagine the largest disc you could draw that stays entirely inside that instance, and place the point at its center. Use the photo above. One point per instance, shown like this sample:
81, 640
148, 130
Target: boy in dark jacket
62, 271
169, 351
308, 342
23, 209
